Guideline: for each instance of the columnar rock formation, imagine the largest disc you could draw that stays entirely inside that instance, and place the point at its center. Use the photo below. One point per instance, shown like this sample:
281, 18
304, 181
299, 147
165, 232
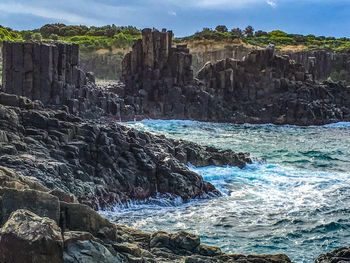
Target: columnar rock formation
41, 71
159, 83
153, 70
261, 88
154, 59
51, 74
267, 88
324, 63
212, 51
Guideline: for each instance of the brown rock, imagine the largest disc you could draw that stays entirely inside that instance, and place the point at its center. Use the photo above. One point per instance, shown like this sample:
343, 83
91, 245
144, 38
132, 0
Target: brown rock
43, 204
28, 238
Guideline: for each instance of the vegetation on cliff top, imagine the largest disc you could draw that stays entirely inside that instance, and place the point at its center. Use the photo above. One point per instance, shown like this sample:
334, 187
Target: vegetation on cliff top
112, 36
277, 37
89, 38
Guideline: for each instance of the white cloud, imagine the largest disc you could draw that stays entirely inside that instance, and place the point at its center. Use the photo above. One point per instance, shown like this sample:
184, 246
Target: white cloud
172, 13
272, 3
89, 12
220, 4
16, 8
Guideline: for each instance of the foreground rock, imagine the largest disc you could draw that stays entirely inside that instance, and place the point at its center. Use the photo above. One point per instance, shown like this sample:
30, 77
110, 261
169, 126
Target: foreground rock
98, 163
81, 235
337, 256
26, 237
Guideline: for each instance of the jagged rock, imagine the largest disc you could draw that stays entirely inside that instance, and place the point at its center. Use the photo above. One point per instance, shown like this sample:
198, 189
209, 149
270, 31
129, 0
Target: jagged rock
28, 238
340, 255
10, 179
90, 251
63, 196
185, 241
210, 251
100, 164
179, 242
262, 87
77, 217
41, 203
323, 63
50, 73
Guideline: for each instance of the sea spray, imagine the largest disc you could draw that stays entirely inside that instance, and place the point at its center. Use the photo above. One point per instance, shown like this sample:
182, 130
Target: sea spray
295, 202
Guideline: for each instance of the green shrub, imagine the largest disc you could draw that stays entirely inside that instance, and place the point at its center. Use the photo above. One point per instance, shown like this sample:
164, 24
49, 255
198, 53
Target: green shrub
37, 37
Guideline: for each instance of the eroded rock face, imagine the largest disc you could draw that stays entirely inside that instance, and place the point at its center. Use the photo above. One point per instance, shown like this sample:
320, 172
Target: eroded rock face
261, 88
101, 164
41, 203
266, 88
90, 251
50, 73
28, 238
323, 63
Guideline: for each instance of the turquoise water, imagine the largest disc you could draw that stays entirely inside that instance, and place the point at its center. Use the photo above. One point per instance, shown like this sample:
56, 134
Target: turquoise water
293, 199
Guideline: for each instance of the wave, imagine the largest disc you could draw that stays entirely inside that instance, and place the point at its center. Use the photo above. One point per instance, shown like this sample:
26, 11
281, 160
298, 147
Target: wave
294, 200
338, 125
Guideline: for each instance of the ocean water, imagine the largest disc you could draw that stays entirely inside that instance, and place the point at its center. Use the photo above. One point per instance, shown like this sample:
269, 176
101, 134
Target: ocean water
294, 198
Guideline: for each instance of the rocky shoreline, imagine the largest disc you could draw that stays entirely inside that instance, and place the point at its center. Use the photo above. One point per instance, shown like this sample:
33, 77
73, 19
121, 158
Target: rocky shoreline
63, 155
48, 185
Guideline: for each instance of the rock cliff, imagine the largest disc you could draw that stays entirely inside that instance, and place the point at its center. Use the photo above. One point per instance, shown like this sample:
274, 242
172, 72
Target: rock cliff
261, 88
267, 88
56, 164
324, 64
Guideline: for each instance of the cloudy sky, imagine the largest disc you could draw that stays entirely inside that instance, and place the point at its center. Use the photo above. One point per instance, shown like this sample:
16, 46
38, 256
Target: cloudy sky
320, 17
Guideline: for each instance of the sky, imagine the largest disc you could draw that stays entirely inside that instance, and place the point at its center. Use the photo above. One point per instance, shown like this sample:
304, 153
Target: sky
185, 17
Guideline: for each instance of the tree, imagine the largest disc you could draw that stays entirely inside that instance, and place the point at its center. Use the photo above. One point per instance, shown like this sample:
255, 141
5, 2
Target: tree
221, 28
27, 35
50, 29
37, 37
260, 33
54, 37
236, 32
249, 31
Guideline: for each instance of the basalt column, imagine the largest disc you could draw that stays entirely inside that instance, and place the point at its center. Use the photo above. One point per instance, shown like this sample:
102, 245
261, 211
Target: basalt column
154, 73
44, 72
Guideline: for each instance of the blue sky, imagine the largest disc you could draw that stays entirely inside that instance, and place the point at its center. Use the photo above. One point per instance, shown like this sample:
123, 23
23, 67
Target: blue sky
184, 17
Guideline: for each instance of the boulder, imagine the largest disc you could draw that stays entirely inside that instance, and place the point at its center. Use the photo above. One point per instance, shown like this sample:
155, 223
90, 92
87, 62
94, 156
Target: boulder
90, 251
28, 238
78, 217
41, 203
177, 242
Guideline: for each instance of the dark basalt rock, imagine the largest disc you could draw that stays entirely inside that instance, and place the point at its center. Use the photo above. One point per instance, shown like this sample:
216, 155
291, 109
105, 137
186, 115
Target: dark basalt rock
261, 88
266, 88
50, 73
41, 203
323, 63
103, 163
337, 256
82, 235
